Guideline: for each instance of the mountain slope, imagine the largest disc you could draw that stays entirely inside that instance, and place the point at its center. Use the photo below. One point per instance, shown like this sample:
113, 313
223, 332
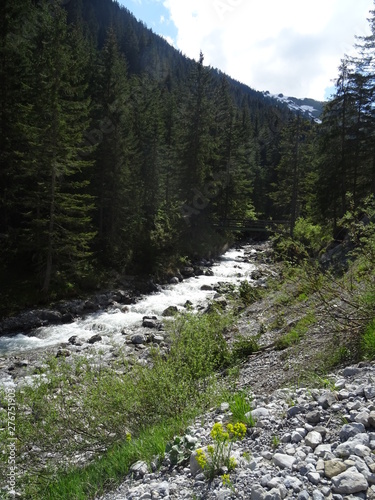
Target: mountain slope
308, 108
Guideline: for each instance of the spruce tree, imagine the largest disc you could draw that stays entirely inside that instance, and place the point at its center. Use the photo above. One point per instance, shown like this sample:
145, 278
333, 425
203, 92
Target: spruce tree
54, 200
114, 157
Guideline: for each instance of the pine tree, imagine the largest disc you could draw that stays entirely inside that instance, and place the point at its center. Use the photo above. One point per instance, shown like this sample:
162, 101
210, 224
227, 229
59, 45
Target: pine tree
114, 156
55, 202
16, 32
195, 143
290, 192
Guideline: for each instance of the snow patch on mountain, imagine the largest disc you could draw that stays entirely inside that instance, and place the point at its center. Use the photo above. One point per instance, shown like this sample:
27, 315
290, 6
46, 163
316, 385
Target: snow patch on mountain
308, 108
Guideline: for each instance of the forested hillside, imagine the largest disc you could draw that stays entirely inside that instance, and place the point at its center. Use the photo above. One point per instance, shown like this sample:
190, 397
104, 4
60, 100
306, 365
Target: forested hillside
119, 153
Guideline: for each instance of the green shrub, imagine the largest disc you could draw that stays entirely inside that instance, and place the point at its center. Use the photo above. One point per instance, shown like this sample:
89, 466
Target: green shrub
241, 409
248, 293
368, 341
307, 241
295, 335
78, 407
244, 347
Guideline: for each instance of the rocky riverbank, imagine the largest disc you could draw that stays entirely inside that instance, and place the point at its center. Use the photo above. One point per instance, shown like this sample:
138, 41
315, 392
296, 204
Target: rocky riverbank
306, 444
104, 334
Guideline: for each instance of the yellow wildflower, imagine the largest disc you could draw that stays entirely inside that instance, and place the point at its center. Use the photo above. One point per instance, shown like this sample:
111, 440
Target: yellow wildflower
226, 480
232, 463
217, 431
201, 458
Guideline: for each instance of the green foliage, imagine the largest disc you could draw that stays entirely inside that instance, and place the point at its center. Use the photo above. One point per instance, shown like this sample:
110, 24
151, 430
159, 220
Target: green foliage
275, 441
75, 408
248, 293
368, 341
241, 409
307, 241
198, 343
179, 450
296, 333
244, 347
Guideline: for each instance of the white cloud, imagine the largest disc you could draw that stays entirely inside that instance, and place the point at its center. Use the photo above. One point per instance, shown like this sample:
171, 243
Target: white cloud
293, 46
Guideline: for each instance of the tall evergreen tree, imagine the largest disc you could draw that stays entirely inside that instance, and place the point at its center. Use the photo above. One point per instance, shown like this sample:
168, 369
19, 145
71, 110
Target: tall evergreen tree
290, 192
54, 199
114, 156
195, 142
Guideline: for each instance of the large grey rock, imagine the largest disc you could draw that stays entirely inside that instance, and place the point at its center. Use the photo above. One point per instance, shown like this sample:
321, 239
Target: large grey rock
314, 478
139, 469
304, 495
195, 468
313, 417
258, 493
187, 272
284, 461
327, 399
351, 430
138, 338
313, 439
94, 339
75, 340
363, 418
295, 410
322, 449
170, 311
370, 392
371, 419
206, 288
260, 413
317, 495
350, 371
150, 322
350, 481
292, 482
296, 437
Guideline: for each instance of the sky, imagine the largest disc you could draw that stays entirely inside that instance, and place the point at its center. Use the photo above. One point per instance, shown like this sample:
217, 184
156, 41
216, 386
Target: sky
293, 47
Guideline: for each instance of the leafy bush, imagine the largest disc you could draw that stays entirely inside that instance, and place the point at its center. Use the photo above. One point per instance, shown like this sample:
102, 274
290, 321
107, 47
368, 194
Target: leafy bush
307, 241
76, 407
296, 333
244, 347
248, 293
368, 341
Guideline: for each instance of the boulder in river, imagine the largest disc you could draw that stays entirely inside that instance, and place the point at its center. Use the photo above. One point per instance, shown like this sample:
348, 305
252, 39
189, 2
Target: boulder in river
94, 339
206, 288
75, 340
138, 339
187, 272
150, 322
170, 311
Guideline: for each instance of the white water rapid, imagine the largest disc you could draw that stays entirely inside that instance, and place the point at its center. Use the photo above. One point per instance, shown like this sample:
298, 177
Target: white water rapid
231, 267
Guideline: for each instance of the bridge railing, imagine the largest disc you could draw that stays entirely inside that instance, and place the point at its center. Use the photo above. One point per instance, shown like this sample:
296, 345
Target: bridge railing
251, 225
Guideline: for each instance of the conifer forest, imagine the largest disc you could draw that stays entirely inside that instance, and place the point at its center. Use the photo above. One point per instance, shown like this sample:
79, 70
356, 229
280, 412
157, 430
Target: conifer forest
120, 154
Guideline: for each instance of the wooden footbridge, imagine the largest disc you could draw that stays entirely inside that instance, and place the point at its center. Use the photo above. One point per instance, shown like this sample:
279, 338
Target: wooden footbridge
251, 226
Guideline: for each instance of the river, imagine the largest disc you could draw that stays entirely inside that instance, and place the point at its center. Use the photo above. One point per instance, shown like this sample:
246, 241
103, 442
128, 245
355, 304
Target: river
234, 266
